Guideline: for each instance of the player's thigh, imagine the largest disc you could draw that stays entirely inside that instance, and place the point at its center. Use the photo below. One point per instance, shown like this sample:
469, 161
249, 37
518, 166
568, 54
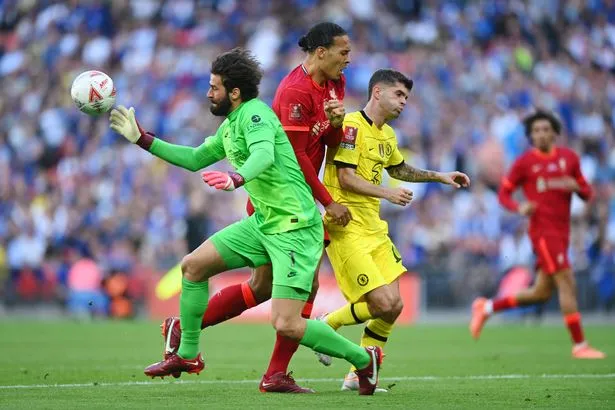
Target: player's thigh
295, 256
388, 259
203, 262
543, 285
260, 282
355, 270
551, 253
241, 244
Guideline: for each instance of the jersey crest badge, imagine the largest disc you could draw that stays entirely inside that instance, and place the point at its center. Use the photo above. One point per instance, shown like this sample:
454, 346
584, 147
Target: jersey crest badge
562, 164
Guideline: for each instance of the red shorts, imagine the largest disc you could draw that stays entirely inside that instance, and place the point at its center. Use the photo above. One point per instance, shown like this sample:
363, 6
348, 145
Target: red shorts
551, 253
250, 211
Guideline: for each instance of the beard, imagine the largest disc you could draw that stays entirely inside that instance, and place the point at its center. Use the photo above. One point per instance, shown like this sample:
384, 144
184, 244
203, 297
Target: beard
222, 108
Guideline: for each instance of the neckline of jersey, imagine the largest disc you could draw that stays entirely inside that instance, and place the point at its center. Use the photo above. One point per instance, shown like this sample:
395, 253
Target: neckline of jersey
318, 86
231, 116
545, 155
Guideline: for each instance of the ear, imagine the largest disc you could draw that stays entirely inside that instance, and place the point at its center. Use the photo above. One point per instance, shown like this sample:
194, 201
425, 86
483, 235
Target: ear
235, 94
321, 52
376, 92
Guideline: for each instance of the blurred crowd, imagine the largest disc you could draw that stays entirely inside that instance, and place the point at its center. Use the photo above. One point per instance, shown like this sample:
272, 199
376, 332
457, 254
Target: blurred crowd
72, 191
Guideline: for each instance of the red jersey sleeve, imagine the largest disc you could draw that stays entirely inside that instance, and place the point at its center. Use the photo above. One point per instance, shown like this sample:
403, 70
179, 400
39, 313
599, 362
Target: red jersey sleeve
295, 106
509, 185
586, 191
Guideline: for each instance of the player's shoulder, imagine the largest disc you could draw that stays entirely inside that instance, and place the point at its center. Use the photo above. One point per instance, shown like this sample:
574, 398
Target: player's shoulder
354, 120
525, 157
298, 79
566, 152
256, 110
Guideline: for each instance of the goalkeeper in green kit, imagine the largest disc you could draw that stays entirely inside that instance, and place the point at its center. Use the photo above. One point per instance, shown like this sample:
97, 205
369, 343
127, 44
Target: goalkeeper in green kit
286, 229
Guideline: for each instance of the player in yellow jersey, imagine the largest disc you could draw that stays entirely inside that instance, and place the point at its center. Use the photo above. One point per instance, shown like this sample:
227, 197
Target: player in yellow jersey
366, 263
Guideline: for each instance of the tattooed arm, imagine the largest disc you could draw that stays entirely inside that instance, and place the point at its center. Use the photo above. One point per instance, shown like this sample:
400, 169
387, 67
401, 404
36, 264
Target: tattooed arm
408, 173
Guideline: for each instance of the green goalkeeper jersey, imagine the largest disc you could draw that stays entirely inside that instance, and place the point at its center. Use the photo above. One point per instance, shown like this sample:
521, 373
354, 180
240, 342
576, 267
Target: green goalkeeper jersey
253, 141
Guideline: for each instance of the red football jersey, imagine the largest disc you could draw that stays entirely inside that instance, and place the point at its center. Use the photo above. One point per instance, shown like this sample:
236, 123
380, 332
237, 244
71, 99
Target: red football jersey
299, 104
538, 174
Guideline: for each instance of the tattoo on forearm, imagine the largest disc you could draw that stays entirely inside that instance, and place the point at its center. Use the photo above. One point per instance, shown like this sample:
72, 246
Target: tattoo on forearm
408, 173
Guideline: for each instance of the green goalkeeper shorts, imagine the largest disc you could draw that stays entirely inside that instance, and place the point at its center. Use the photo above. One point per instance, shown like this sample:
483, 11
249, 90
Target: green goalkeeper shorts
294, 255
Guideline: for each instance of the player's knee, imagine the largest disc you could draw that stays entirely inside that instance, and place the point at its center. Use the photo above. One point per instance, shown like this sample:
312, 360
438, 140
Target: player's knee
398, 307
543, 294
287, 327
314, 286
381, 306
191, 268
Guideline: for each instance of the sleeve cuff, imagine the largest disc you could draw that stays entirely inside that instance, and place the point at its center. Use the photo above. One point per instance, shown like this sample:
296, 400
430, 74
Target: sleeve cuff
341, 164
146, 140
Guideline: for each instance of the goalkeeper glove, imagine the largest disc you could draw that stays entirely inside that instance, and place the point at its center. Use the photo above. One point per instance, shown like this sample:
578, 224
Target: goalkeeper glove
222, 180
123, 122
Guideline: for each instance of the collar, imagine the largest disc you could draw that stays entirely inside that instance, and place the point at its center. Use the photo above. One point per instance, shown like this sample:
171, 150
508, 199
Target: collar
369, 120
545, 155
234, 113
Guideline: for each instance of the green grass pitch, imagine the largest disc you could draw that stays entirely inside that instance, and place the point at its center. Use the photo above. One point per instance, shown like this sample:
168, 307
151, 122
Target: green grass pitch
99, 365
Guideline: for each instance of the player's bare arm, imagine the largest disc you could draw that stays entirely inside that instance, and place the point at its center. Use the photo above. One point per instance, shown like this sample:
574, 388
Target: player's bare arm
408, 173
350, 181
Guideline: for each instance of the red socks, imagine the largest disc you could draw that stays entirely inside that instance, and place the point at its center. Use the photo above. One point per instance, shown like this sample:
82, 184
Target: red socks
504, 303
228, 303
573, 321
285, 348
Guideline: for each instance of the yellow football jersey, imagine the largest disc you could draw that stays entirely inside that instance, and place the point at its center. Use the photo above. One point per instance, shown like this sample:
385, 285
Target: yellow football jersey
369, 150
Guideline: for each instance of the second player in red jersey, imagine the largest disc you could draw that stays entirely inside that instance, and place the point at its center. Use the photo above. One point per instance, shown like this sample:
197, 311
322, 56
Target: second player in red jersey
549, 176
308, 103
548, 179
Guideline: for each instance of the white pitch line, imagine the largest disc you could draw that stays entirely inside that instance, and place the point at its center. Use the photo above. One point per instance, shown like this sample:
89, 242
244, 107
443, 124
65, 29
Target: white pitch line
255, 381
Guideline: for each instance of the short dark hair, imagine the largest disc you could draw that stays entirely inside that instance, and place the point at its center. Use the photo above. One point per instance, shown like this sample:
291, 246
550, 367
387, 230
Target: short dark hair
238, 68
390, 77
529, 121
321, 35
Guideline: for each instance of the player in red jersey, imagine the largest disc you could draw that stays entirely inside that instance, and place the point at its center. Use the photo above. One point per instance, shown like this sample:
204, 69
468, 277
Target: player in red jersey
549, 175
309, 104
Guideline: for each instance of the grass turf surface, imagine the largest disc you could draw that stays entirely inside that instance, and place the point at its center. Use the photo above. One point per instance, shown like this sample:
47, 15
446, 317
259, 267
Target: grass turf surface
99, 365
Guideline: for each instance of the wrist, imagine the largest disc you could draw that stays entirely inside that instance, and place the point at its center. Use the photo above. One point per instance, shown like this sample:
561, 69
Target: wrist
237, 179
327, 201
146, 140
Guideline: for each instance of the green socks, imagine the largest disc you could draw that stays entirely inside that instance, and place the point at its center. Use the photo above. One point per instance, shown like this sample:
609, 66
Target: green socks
320, 337
192, 306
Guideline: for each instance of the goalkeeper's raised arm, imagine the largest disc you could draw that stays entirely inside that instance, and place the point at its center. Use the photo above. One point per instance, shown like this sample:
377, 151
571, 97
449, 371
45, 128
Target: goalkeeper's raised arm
124, 122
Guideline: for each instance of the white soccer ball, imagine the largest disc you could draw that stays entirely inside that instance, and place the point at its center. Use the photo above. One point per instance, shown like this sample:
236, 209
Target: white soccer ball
93, 92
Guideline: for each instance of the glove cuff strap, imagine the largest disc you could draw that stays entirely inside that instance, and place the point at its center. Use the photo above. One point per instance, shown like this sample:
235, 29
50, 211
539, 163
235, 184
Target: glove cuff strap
237, 179
146, 140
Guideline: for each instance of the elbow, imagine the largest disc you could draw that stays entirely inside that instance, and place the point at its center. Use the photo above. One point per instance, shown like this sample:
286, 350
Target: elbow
344, 181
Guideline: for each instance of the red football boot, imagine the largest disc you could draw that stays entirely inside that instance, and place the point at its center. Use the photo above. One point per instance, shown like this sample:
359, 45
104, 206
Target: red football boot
172, 334
368, 376
175, 365
281, 382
